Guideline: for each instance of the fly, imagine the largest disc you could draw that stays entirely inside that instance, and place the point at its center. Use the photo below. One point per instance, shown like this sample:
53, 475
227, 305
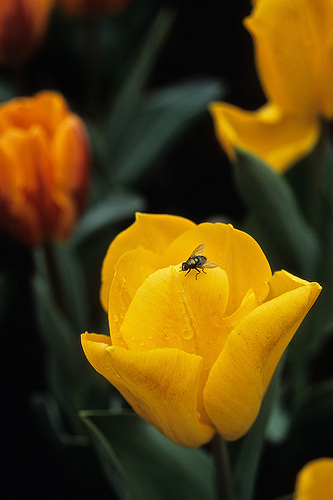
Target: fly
197, 261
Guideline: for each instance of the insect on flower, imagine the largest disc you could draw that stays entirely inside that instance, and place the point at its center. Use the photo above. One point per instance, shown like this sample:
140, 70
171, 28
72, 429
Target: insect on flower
197, 261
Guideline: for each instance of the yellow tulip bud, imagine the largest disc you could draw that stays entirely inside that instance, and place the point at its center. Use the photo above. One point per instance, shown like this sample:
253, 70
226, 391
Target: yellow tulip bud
194, 354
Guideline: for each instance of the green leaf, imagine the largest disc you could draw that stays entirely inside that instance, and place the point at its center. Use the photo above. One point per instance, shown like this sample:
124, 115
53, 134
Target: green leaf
122, 107
75, 384
62, 270
157, 121
141, 463
97, 229
98, 221
6, 90
246, 453
275, 209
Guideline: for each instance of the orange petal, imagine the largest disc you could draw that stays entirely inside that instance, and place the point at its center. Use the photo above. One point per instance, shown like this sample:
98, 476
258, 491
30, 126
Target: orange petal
153, 232
240, 377
161, 386
279, 140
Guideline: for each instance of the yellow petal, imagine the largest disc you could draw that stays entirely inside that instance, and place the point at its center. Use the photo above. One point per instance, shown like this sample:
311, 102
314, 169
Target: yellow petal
279, 140
161, 385
153, 232
315, 480
282, 282
131, 270
236, 252
240, 376
178, 311
182, 312
293, 43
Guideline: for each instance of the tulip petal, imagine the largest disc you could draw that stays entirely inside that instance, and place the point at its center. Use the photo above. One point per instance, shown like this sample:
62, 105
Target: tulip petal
71, 163
236, 252
295, 62
182, 312
171, 309
161, 385
279, 140
20, 188
150, 231
282, 282
131, 271
315, 480
242, 372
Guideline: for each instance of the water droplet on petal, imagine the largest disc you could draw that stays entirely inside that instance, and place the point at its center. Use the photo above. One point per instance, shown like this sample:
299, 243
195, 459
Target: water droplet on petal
149, 336
141, 343
187, 333
167, 336
115, 318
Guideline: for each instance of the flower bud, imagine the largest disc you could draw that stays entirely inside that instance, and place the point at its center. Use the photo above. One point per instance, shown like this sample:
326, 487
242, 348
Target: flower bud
45, 161
22, 26
193, 353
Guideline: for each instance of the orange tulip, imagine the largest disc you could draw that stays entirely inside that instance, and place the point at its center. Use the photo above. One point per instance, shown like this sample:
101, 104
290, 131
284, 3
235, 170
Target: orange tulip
22, 26
44, 158
92, 7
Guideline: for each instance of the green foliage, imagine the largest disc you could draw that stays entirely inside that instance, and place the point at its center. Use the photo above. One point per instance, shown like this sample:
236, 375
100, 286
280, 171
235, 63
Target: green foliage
283, 228
141, 463
157, 121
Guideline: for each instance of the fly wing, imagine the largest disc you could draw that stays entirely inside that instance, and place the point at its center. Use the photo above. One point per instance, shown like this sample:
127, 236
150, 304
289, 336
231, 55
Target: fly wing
200, 250
209, 264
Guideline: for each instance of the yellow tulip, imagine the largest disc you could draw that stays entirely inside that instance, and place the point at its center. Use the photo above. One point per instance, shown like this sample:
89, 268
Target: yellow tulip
45, 162
294, 57
194, 355
315, 480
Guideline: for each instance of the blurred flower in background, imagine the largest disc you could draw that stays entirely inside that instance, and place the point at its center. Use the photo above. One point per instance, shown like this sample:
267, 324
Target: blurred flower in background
194, 356
293, 49
22, 26
45, 162
315, 480
92, 7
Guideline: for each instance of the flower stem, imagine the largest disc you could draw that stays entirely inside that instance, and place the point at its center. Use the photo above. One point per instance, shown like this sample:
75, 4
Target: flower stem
53, 274
222, 468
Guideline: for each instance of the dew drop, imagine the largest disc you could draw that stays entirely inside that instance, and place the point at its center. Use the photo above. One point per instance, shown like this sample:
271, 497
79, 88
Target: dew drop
167, 336
115, 318
133, 338
149, 336
187, 333
141, 343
